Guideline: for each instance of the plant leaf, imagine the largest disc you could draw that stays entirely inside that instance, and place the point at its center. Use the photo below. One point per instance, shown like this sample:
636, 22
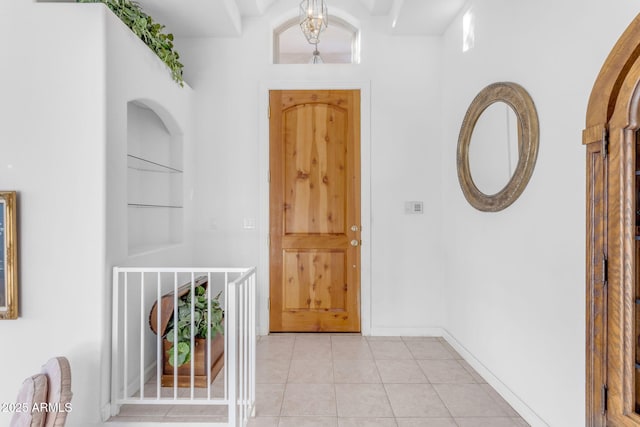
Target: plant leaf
184, 354
149, 31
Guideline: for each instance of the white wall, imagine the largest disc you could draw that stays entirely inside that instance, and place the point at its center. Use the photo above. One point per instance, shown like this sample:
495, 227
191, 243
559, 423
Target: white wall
515, 287
508, 287
230, 78
52, 141
68, 72
134, 72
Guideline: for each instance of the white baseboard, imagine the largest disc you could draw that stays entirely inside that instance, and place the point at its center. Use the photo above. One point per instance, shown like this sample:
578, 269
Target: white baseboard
262, 330
110, 409
406, 332
512, 399
163, 424
105, 412
134, 385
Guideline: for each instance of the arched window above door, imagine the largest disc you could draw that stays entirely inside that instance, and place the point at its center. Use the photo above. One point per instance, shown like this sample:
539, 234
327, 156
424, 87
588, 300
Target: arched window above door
339, 43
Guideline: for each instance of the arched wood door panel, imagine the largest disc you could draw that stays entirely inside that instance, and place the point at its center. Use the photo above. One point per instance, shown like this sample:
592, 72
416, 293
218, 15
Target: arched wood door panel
613, 238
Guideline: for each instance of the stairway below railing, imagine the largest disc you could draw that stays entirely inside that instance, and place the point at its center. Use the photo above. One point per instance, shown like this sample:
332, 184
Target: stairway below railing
218, 370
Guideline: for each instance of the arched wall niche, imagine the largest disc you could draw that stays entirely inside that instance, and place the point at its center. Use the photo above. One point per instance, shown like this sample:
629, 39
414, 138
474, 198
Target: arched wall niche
154, 177
339, 43
167, 118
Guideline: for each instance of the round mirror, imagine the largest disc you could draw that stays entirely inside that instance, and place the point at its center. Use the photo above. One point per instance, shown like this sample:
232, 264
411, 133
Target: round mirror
493, 151
498, 146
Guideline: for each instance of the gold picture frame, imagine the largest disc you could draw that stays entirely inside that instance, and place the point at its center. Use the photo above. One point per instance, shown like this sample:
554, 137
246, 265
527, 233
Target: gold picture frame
8, 256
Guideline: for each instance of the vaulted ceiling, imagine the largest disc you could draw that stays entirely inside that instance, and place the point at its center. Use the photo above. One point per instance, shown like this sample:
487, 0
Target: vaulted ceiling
223, 18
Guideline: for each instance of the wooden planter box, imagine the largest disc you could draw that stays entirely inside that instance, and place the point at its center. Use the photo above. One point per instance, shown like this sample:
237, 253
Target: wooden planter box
199, 354
199, 363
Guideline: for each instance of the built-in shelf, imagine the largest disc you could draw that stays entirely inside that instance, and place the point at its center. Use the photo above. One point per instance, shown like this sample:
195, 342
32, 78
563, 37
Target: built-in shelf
144, 165
155, 214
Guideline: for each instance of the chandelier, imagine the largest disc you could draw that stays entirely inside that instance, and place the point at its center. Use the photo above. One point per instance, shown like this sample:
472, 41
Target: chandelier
316, 58
313, 19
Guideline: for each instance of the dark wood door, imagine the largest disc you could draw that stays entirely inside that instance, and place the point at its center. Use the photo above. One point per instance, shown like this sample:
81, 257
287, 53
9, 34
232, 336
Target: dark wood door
613, 238
596, 281
314, 210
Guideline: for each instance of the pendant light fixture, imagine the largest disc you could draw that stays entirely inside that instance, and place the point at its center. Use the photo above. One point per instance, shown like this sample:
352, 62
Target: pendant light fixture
313, 19
316, 58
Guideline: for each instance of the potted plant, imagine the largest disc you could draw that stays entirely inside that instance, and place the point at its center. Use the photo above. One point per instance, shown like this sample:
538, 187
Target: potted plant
177, 334
203, 324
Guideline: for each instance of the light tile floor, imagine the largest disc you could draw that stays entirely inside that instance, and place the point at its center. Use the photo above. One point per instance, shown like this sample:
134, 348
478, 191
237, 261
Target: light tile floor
318, 380
346, 380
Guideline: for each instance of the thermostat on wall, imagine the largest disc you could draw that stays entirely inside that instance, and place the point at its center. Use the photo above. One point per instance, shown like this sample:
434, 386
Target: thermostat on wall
411, 208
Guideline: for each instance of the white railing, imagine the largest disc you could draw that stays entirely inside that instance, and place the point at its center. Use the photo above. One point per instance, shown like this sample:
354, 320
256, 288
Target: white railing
144, 301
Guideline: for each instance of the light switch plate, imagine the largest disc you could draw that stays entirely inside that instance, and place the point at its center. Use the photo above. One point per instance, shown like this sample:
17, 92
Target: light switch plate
414, 208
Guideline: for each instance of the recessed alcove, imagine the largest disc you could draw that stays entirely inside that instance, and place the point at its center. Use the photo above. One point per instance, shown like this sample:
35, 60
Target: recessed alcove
154, 181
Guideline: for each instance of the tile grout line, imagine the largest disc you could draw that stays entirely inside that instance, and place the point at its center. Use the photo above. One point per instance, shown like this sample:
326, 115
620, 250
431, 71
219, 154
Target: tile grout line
436, 391
286, 384
333, 378
332, 360
413, 357
384, 387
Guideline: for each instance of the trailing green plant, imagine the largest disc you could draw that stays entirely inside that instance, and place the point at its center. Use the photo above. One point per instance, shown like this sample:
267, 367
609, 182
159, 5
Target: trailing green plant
149, 32
203, 324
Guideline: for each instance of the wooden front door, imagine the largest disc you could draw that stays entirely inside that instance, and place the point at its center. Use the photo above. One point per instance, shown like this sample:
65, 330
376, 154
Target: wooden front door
314, 194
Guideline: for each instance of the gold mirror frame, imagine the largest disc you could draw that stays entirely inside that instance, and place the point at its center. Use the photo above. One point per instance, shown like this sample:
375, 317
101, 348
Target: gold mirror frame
9, 254
519, 100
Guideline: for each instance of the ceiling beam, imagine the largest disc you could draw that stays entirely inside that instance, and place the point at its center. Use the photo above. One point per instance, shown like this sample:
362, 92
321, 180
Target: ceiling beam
423, 17
377, 7
223, 18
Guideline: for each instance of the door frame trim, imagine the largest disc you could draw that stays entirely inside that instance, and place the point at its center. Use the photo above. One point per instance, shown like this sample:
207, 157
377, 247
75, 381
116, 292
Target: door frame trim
365, 192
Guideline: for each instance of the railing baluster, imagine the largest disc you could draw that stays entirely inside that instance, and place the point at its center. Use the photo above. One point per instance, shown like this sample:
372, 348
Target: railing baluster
245, 369
142, 330
193, 340
246, 347
115, 344
240, 349
252, 350
159, 340
232, 336
125, 373
226, 337
208, 342
175, 335
239, 339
